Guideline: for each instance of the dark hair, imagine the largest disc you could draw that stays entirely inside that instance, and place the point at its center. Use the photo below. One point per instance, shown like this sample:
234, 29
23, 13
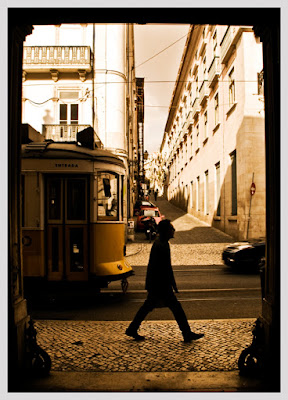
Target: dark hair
163, 226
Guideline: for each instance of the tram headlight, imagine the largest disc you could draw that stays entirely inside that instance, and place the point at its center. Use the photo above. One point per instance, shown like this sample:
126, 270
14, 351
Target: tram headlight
119, 267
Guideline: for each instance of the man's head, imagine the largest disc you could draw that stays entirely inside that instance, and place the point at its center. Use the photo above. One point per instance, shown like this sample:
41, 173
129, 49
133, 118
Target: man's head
166, 229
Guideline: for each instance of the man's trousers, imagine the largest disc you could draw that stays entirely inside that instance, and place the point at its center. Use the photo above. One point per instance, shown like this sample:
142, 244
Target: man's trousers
155, 301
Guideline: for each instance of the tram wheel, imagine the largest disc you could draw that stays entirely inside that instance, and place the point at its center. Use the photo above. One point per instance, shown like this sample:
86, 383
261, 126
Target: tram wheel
124, 285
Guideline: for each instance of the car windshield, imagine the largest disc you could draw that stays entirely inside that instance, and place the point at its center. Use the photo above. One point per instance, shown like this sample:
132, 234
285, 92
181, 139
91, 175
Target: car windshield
150, 213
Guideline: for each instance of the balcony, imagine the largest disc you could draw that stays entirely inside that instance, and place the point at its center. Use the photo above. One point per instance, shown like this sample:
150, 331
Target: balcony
203, 46
185, 128
189, 119
57, 59
203, 92
62, 133
229, 41
214, 72
194, 69
228, 45
195, 108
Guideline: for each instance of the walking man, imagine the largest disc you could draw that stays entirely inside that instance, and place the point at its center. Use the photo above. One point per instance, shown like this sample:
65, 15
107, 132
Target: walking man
156, 194
160, 284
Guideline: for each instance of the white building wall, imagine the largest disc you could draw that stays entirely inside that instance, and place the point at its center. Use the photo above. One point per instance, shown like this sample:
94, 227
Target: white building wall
240, 128
41, 101
110, 82
110, 79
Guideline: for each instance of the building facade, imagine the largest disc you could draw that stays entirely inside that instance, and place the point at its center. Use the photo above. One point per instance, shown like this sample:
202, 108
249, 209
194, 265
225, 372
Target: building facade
214, 140
155, 172
82, 75
140, 130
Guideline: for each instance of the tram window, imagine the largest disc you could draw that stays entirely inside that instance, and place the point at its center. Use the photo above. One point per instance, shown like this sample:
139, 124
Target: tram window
107, 187
54, 198
76, 250
55, 249
76, 195
108, 201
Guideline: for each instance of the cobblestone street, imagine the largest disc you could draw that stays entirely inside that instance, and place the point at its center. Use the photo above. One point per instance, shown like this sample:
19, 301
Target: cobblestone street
195, 243
103, 346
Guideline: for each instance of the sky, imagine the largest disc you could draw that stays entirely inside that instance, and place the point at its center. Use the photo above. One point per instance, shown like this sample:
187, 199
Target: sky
149, 41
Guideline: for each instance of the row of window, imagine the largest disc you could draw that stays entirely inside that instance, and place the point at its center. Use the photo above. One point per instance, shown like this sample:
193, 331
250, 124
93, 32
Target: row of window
192, 87
177, 128
74, 191
194, 199
183, 152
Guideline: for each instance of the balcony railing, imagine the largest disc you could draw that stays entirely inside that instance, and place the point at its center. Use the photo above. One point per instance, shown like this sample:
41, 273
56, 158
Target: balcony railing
62, 133
195, 107
214, 72
189, 119
185, 128
56, 57
228, 44
195, 68
203, 46
203, 92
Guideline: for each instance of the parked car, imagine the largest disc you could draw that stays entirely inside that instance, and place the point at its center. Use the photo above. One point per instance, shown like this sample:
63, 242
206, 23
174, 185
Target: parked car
245, 254
142, 203
148, 212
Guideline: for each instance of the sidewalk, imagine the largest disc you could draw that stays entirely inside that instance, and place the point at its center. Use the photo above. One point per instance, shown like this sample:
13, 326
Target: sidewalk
98, 356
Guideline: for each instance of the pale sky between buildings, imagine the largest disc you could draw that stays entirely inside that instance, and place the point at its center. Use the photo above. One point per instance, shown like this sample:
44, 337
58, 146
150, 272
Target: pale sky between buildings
159, 73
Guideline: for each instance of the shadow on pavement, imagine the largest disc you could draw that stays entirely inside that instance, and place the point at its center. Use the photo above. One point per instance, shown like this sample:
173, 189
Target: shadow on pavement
195, 235
189, 230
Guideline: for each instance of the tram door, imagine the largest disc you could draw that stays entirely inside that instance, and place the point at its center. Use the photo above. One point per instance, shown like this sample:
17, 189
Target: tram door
67, 227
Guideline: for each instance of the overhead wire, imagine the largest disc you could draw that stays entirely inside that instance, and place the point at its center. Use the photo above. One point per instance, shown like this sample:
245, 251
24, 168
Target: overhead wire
157, 54
88, 94
83, 98
159, 81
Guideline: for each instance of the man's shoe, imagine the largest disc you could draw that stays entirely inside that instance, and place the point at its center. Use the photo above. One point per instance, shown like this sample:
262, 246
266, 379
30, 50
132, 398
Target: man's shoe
134, 334
193, 336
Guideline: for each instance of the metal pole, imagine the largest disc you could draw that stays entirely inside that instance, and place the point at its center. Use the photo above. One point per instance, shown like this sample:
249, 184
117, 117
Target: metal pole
248, 224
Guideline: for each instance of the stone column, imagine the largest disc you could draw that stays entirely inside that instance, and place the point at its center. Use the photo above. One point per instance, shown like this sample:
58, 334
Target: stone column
17, 309
270, 36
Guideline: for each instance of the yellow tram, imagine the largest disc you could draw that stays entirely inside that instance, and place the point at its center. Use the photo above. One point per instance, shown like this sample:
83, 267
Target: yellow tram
72, 219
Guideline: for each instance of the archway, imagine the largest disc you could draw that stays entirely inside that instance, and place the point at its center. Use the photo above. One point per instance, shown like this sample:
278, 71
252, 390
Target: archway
266, 25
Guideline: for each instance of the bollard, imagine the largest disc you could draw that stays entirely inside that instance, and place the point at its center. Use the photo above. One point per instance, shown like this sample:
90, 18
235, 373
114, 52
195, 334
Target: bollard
130, 230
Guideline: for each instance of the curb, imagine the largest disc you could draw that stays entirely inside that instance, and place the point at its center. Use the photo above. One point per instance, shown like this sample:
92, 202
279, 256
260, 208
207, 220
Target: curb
144, 382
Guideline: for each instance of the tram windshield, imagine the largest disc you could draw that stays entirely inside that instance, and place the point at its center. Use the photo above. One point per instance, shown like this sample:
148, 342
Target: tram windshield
108, 199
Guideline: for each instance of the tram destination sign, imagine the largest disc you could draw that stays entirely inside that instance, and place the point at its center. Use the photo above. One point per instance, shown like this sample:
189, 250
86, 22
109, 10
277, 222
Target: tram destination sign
57, 165
66, 165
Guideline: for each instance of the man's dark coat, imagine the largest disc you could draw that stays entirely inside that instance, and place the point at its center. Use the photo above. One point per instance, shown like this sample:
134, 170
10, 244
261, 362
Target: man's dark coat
160, 279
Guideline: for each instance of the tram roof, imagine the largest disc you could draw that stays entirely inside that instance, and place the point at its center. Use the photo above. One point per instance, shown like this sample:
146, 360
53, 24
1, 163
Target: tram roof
53, 150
